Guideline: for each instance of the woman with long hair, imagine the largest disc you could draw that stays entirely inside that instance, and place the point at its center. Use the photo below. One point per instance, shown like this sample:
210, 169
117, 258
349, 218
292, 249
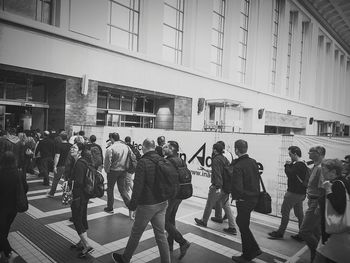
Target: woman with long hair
10, 178
80, 198
334, 247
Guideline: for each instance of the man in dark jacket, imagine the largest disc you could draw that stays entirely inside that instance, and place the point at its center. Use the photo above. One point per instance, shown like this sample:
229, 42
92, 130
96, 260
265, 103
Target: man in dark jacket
147, 207
215, 190
246, 192
297, 174
46, 147
171, 150
11, 142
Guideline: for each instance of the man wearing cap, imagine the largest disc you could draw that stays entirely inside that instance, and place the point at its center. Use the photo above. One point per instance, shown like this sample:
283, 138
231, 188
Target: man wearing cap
115, 167
46, 148
215, 190
310, 229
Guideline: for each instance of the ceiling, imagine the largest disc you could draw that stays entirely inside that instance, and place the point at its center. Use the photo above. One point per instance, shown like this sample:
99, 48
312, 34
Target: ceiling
334, 15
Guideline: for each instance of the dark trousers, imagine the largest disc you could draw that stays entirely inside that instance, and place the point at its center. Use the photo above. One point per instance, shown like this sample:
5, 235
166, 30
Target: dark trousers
170, 227
6, 220
79, 214
45, 164
249, 244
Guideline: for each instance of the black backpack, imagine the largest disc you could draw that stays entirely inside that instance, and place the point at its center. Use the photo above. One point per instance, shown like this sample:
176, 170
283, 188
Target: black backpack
94, 183
166, 180
185, 178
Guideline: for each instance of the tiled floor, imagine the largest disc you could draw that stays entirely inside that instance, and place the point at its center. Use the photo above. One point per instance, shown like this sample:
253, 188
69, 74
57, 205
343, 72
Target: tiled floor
44, 234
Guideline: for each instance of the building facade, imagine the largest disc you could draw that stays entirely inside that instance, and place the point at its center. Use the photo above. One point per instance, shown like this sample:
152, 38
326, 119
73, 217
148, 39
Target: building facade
225, 65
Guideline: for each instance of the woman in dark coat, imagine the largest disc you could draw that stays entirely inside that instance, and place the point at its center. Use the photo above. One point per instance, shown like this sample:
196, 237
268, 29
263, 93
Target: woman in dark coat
9, 181
80, 199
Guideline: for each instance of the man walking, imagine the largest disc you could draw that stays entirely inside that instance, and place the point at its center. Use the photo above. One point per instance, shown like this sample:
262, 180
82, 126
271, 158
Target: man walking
148, 207
46, 148
115, 167
171, 150
215, 191
61, 152
297, 174
246, 192
310, 229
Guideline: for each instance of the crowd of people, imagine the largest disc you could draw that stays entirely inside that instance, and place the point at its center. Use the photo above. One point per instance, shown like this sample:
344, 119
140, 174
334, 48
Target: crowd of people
31, 152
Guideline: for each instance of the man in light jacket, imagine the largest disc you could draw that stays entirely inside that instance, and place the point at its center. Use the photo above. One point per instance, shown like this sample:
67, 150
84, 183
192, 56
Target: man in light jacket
115, 167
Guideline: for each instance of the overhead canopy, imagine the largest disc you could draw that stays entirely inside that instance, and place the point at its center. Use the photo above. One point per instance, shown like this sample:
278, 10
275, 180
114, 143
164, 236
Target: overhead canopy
224, 102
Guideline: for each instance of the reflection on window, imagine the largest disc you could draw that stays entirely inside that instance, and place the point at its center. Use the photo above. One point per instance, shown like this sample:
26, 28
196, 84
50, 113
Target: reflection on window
243, 40
102, 100
114, 101
101, 118
276, 13
123, 24
217, 38
2, 90
126, 103
173, 30
39, 10
292, 17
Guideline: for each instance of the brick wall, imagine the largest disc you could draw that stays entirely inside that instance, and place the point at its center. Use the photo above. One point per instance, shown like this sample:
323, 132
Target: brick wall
80, 109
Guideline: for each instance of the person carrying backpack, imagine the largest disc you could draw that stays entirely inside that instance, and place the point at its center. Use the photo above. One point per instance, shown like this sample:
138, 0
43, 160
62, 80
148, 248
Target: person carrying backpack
77, 179
216, 192
96, 153
148, 205
171, 150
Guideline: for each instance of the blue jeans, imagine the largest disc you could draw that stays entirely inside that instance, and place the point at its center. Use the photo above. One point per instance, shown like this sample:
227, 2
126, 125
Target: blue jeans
310, 229
118, 177
291, 200
144, 214
214, 196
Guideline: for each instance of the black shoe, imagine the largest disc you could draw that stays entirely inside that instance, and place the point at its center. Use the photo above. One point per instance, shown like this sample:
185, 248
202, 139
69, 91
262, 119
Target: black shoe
217, 220
108, 210
117, 258
84, 252
297, 237
240, 259
183, 249
231, 230
200, 222
77, 246
275, 235
255, 254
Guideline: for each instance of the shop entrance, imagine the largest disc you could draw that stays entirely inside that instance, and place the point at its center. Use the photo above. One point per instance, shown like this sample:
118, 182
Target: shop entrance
22, 118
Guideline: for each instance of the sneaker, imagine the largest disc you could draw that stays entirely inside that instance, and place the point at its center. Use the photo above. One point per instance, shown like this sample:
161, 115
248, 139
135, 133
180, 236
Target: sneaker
297, 237
231, 230
84, 252
200, 222
183, 249
275, 235
240, 259
108, 210
217, 220
255, 254
117, 258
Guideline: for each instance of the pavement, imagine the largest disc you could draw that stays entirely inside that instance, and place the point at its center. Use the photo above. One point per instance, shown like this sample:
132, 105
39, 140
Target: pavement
44, 233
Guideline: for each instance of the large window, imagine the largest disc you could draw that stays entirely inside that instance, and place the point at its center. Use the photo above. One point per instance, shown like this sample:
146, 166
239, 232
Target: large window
173, 30
243, 40
118, 109
217, 38
123, 23
276, 13
39, 10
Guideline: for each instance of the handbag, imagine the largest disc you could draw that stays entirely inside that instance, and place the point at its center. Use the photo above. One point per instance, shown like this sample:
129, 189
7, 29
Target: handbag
21, 196
67, 195
337, 223
264, 200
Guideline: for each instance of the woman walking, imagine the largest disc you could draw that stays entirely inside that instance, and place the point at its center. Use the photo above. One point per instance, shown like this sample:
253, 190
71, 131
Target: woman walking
80, 199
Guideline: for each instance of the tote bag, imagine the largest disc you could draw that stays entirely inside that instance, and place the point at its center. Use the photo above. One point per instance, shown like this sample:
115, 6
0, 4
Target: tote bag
337, 223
